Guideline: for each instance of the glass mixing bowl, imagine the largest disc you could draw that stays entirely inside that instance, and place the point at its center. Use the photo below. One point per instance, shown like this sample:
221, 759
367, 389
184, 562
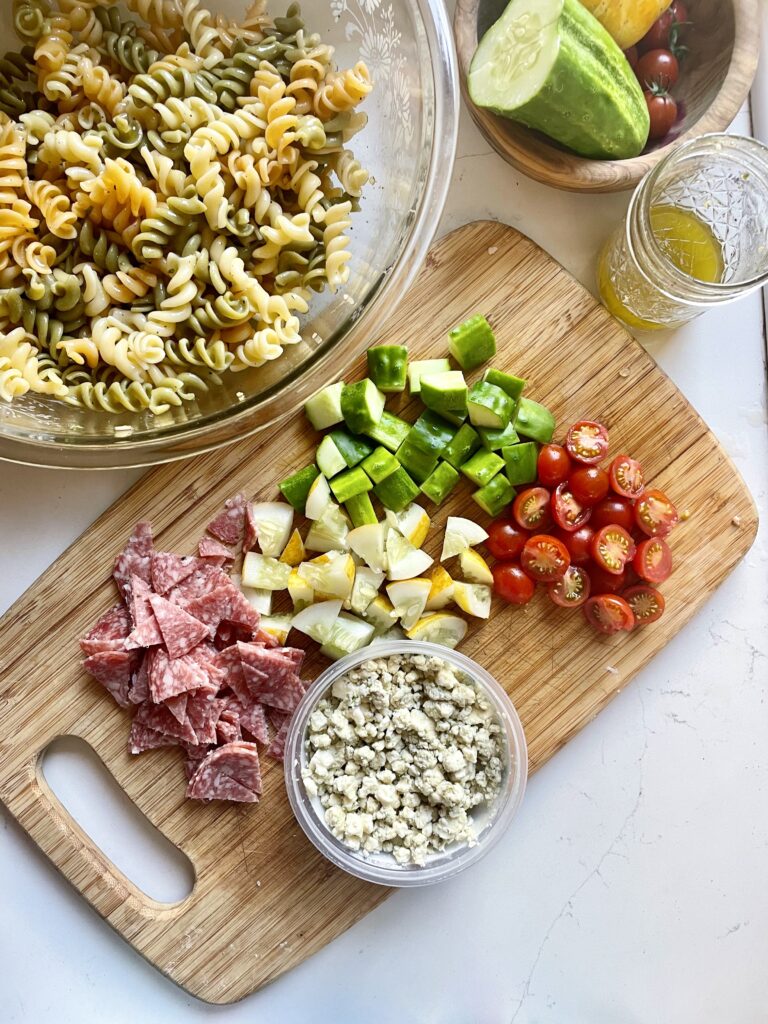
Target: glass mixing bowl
408, 146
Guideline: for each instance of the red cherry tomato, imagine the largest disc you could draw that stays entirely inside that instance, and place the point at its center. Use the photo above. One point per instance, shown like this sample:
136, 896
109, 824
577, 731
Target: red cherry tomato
572, 589
512, 584
662, 110
588, 484
587, 442
658, 35
632, 55
554, 465
612, 548
569, 514
609, 613
531, 509
612, 510
655, 514
605, 582
653, 560
647, 603
579, 543
505, 540
627, 477
657, 69
545, 558
679, 13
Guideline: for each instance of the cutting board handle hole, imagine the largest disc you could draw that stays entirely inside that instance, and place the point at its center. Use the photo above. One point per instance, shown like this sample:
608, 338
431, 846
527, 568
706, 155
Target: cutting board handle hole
81, 782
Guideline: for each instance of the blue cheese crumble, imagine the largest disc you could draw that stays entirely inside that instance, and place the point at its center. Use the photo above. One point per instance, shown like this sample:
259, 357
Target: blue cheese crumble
399, 753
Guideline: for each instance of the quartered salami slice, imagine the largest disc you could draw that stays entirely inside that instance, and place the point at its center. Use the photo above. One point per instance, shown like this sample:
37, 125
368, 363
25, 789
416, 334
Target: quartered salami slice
231, 772
113, 669
109, 633
276, 748
223, 604
160, 718
204, 578
180, 630
271, 677
134, 559
146, 632
204, 711
140, 683
143, 738
228, 634
169, 677
254, 721
228, 526
228, 724
251, 530
169, 569
195, 754
209, 547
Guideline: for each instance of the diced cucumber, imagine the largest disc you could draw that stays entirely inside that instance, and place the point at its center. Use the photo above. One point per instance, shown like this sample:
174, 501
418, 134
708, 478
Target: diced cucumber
348, 634
495, 496
431, 433
278, 626
465, 442
324, 409
380, 464
350, 483
417, 369
417, 463
534, 421
461, 534
482, 467
329, 459
495, 440
263, 573
387, 365
404, 560
331, 575
409, 598
295, 488
362, 405
506, 381
445, 393
413, 523
360, 510
472, 343
329, 532
261, 600
319, 498
381, 614
521, 463
439, 628
273, 520
390, 431
365, 588
368, 542
317, 620
397, 491
440, 483
353, 449
473, 598
489, 406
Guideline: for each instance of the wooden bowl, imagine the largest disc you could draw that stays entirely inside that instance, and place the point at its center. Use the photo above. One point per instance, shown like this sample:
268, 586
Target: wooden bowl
715, 78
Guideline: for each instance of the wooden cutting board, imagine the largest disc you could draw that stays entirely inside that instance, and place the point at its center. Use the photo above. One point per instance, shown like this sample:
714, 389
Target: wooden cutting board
263, 899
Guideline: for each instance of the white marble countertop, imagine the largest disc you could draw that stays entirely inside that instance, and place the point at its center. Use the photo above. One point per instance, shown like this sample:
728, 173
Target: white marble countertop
632, 886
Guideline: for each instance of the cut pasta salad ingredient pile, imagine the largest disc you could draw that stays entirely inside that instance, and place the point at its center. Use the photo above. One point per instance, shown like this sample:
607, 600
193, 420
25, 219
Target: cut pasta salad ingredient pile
172, 188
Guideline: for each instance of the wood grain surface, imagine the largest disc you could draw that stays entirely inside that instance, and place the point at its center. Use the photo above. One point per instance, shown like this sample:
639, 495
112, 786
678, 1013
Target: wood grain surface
723, 43
264, 899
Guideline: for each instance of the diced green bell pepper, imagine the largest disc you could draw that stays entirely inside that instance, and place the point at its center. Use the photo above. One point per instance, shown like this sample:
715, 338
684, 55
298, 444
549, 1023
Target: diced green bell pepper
353, 449
397, 491
390, 431
521, 462
362, 405
472, 343
495, 496
417, 463
380, 464
296, 487
431, 433
482, 467
534, 421
440, 483
360, 509
465, 442
347, 485
387, 366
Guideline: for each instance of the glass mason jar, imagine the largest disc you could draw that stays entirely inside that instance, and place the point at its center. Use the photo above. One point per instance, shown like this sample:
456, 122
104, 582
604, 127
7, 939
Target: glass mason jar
695, 236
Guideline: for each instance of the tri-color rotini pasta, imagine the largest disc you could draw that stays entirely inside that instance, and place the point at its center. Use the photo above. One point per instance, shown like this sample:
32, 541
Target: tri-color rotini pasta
173, 187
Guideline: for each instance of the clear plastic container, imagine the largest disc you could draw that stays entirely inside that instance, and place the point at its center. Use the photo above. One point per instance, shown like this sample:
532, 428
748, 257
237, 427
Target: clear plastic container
490, 822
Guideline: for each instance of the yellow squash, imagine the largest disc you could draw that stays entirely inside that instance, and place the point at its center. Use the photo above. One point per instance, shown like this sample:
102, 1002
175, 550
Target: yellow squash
626, 20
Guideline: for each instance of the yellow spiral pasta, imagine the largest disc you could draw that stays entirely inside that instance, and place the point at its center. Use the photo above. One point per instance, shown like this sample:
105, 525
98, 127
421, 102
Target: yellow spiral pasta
342, 91
54, 205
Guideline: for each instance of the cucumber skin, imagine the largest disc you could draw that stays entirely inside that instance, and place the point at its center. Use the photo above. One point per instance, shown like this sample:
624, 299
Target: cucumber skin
594, 74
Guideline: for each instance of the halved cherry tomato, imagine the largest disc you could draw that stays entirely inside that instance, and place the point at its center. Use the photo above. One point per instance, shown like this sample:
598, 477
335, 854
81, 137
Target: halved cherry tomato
609, 613
653, 560
545, 558
569, 514
512, 584
572, 589
531, 509
612, 548
657, 69
647, 603
627, 477
554, 465
588, 484
605, 582
505, 539
655, 514
587, 442
612, 510
579, 543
